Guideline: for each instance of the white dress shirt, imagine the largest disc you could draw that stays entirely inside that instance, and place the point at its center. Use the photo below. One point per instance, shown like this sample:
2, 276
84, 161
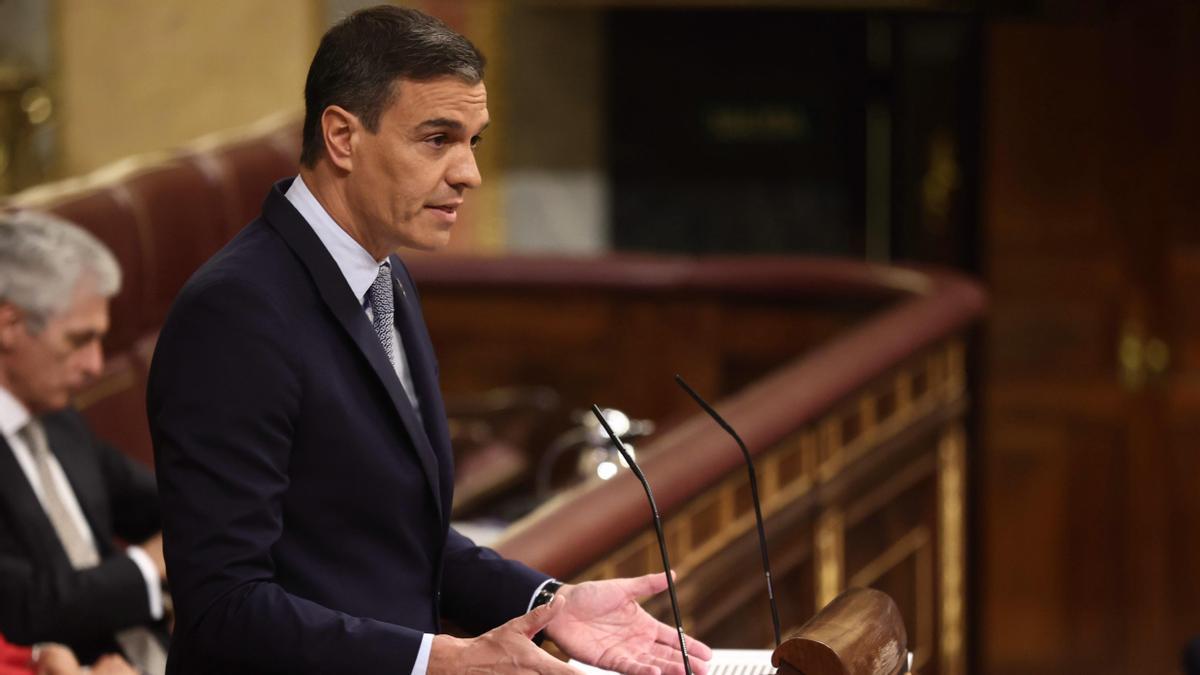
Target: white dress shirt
357, 266
13, 417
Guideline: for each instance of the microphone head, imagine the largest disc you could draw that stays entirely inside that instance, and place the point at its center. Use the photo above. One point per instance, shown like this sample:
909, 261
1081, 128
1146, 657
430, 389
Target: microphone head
601, 416
621, 424
697, 397
617, 420
616, 440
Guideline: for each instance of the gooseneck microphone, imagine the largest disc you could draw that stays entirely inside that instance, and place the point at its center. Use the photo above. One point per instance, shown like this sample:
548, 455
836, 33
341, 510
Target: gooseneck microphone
662, 540
762, 535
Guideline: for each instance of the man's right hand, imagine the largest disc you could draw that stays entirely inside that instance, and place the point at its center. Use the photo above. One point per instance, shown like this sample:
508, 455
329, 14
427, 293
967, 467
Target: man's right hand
508, 649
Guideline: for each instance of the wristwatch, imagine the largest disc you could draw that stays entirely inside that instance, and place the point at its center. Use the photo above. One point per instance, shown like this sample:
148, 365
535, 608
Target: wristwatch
544, 595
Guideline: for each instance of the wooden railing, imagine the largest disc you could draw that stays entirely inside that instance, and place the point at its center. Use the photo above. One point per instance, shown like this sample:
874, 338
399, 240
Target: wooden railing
858, 433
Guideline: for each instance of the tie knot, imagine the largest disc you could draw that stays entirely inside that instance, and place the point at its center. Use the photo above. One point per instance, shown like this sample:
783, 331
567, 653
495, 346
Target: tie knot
382, 301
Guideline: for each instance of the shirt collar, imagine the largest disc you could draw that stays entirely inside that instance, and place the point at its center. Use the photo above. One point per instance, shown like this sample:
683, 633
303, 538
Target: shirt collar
356, 264
13, 414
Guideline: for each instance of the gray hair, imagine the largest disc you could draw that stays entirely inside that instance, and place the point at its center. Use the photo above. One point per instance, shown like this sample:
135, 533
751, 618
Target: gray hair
43, 258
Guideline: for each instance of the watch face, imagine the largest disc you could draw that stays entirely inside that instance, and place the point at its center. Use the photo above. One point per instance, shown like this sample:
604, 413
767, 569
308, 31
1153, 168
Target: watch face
546, 593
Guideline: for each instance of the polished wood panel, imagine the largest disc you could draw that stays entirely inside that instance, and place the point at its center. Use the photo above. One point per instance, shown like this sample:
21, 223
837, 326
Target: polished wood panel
1088, 516
855, 417
615, 332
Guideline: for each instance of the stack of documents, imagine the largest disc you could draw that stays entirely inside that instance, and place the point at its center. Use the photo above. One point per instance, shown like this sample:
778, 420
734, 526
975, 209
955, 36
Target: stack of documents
724, 662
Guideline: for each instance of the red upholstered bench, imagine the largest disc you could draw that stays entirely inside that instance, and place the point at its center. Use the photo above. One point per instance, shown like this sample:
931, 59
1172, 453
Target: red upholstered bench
162, 215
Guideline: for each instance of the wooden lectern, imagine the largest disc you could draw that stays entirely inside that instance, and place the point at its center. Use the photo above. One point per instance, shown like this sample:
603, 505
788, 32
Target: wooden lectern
860, 633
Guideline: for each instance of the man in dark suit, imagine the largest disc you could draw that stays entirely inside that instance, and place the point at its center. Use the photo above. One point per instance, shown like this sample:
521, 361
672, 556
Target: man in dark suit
64, 495
301, 443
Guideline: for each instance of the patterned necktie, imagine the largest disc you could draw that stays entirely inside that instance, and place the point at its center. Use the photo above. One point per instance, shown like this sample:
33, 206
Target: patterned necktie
138, 643
384, 307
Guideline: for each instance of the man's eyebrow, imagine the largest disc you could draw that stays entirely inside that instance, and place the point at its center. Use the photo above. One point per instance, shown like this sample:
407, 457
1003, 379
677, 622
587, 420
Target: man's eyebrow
85, 335
445, 123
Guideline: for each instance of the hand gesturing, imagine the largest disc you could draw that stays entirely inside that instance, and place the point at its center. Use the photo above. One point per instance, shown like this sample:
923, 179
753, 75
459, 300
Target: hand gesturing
507, 649
602, 624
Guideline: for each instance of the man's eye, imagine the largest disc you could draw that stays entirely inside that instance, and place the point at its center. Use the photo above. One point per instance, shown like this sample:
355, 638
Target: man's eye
475, 141
437, 141
80, 340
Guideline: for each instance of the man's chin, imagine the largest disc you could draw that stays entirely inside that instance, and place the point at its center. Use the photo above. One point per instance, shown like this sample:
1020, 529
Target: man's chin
49, 404
430, 244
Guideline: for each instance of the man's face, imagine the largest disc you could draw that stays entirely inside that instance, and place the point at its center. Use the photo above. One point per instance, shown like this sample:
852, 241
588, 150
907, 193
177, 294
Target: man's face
44, 369
409, 178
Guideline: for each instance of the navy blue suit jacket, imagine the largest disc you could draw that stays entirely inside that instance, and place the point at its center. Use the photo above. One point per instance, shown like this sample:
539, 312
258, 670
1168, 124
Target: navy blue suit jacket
305, 504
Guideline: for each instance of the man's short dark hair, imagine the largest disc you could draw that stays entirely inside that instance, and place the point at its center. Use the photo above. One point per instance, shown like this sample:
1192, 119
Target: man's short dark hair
361, 58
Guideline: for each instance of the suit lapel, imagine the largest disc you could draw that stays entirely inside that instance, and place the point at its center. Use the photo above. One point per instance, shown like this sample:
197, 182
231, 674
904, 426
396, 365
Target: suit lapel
346, 308
418, 351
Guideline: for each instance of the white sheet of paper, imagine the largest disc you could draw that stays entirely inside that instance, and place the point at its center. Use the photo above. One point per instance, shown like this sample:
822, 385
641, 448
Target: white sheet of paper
724, 662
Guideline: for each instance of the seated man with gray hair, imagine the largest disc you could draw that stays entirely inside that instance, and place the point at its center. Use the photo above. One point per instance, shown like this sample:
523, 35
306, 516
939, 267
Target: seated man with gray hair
64, 495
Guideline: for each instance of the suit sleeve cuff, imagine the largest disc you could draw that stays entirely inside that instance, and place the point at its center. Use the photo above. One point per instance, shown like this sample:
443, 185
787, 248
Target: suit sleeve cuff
153, 583
422, 663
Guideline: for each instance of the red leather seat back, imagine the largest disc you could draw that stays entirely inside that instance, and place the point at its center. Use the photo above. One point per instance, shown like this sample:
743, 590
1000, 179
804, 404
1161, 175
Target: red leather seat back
162, 219
108, 213
115, 407
184, 221
247, 169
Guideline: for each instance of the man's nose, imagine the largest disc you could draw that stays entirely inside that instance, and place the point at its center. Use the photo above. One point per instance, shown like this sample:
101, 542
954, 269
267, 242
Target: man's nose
92, 359
464, 172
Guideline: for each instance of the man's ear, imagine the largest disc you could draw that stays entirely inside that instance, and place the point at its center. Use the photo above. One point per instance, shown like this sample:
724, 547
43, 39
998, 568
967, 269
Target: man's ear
338, 127
12, 324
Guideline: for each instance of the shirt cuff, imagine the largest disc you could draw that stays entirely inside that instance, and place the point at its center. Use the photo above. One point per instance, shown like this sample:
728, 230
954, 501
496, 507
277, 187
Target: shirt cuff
153, 583
422, 663
537, 590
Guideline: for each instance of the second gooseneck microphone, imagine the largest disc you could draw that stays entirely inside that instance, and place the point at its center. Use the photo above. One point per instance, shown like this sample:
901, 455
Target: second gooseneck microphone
762, 535
658, 529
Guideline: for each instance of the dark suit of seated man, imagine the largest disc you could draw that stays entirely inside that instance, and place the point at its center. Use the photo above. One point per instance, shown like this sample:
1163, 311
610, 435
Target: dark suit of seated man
64, 495
301, 443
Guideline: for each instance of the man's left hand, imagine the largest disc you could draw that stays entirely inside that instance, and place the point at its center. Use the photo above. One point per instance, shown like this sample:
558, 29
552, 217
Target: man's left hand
602, 624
